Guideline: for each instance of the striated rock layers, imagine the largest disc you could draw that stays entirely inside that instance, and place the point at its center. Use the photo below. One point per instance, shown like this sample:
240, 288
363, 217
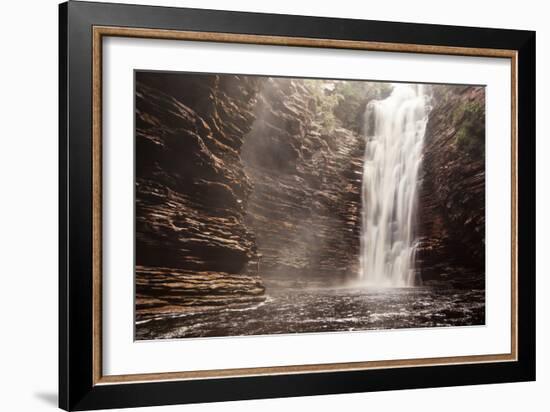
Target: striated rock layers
305, 208
238, 177
452, 199
193, 247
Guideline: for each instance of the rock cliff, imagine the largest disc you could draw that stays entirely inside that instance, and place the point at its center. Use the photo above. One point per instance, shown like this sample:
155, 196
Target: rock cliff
452, 198
191, 193
305, 204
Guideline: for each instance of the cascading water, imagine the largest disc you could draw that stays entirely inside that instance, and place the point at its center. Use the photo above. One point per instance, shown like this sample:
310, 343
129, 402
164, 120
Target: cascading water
395, 130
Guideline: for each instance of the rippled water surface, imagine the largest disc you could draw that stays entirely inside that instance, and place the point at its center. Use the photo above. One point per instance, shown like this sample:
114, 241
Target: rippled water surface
328, 310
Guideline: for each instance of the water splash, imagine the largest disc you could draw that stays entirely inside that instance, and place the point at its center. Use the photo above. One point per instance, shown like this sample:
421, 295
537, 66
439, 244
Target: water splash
395, 129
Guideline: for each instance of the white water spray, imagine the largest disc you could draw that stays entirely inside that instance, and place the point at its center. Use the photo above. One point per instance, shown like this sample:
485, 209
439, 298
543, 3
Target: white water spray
395, 130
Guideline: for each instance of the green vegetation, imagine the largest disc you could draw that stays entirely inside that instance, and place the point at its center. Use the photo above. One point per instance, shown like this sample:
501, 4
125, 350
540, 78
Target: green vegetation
469, 119
355, 96
325, 102
342, 103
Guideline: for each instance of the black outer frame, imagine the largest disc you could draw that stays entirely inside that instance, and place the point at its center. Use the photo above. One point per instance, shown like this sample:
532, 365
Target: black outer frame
76, 389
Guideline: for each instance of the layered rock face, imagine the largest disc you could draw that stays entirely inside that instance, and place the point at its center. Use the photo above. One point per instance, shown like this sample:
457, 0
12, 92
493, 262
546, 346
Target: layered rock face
452, 199
238, 177
192, 244
306, 200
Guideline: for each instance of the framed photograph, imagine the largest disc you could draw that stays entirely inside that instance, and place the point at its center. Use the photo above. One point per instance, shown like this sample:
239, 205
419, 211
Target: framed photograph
257, 205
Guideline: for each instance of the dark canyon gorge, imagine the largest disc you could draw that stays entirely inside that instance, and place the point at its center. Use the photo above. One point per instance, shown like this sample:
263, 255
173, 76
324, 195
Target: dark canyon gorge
249, 184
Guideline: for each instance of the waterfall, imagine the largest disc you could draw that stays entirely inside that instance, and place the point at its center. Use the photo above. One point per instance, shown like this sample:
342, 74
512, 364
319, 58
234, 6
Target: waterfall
394, 129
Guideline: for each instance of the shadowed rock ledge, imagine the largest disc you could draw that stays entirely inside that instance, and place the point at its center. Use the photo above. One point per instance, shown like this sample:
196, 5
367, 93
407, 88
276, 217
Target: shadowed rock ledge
169, 290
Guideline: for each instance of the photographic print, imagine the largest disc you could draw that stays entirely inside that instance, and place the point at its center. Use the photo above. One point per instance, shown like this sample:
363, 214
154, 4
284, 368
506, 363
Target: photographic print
275, 205
349, 184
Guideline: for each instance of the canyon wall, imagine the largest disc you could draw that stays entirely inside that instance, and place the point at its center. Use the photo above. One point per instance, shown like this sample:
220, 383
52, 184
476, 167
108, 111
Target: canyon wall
305, 206
452, 199
240, 181
193, 247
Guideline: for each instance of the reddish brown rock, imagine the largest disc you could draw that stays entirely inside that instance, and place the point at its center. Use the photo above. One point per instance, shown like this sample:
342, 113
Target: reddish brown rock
191, 189
305, 204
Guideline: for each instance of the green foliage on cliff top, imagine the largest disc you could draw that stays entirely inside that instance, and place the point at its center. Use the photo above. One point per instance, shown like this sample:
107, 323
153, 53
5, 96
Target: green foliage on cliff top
341, 103
325, 102
355, 97
469, 120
